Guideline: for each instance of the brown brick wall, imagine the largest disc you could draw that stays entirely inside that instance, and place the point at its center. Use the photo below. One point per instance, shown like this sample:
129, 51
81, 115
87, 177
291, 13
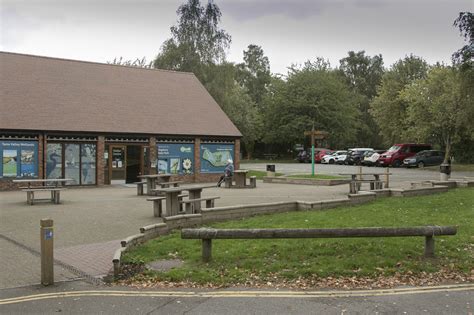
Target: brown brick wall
153, 154
100, 161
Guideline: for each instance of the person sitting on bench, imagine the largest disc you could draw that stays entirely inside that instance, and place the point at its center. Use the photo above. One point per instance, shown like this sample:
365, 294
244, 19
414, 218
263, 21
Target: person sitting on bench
228, 172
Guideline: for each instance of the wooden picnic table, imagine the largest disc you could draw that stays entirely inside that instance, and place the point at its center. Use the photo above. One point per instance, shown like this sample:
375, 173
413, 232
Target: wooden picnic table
172, 200
240, 178
152, 179
54, 188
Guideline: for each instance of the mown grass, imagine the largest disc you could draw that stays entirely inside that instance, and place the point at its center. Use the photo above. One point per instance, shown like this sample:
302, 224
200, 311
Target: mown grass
260, 174
266, 161
454, 168
235, 261
316, 176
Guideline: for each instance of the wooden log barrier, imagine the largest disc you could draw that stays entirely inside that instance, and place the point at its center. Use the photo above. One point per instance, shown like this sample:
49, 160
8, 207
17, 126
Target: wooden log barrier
208, 234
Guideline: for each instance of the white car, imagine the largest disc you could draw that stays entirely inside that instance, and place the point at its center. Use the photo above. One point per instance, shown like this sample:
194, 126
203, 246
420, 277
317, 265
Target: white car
334, 157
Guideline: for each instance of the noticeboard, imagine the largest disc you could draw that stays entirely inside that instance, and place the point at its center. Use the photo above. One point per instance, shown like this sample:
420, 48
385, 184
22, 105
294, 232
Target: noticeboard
175, 158
214, 157
19, 159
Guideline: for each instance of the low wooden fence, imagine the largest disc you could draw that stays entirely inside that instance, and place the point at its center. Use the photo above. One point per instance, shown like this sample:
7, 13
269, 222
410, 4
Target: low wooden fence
207, 234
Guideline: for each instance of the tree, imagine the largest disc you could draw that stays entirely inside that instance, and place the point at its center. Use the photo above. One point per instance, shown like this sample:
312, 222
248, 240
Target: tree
465, 55
196, 41
387, 108
437, 109
139, 63
312, 93
254, 73
363, 74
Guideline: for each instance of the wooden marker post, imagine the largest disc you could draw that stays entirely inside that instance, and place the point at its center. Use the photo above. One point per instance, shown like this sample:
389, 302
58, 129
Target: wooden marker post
47, 257
315, 135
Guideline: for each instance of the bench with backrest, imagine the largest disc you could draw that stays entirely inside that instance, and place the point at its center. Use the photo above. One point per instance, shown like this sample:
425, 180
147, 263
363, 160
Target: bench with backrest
158, 206
206, 234
55, 194
140, 188
190, 204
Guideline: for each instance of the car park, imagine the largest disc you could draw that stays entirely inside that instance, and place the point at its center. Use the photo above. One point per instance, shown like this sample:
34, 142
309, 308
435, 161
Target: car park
355, 155
424, 158
332, 158
399, 152
371, 157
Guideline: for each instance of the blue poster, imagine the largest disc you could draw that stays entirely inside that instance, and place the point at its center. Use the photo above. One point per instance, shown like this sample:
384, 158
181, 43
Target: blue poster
214, 157
175, 158
19, 159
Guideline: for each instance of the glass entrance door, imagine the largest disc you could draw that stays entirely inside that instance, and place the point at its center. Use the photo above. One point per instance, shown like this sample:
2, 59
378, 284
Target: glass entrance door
117, 162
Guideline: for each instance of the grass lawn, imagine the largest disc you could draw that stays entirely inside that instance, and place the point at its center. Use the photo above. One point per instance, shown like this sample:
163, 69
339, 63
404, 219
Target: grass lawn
260, 174
454, 167
316, 176
236, 261
268, 161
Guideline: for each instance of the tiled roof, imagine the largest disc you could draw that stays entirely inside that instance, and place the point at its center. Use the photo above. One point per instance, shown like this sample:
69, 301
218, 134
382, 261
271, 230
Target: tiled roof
41, 93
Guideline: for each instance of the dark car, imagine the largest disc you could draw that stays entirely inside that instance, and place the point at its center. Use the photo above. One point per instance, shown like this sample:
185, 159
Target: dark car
305, 156
355, 156
424, 158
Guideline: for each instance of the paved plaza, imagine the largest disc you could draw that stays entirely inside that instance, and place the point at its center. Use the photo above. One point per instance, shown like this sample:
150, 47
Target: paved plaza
90, 222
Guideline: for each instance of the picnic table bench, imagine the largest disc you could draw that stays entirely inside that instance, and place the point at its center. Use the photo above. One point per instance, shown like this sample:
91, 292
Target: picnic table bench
206, 234
190, 204
151, 181
158, 206
51, 185
357, 179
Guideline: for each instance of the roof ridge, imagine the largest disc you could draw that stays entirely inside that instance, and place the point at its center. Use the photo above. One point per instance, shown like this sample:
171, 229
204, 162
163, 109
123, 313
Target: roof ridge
96, 63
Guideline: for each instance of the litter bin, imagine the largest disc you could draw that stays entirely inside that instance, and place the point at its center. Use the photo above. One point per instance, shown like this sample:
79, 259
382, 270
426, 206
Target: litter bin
270, 169
445, 171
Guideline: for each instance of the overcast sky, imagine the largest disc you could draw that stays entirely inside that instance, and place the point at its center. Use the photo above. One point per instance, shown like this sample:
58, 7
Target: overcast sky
289, 31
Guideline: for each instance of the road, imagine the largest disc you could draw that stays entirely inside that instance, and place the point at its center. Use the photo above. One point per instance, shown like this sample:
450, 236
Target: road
79, 298
401, 177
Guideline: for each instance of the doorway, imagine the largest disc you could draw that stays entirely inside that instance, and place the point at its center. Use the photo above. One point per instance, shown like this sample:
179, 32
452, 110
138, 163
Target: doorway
134, 163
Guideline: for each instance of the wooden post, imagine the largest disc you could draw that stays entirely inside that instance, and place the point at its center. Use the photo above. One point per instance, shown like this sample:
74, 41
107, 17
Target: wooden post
386, 177
206, 249
429, 246
47, 258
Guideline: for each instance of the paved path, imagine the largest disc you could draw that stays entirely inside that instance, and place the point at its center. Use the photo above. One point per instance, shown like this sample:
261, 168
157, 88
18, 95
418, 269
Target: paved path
90, 221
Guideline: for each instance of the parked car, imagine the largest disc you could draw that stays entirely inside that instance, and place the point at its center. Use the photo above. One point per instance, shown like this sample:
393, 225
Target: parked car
303, 156
424, 158
320, 154
332, 158
355, 155
399, 152
371, 157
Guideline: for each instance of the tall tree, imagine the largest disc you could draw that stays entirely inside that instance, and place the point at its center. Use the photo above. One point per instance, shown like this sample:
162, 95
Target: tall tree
465, 55
254, 73
313, 93
196, 40
363, 74
387, 108
437, 109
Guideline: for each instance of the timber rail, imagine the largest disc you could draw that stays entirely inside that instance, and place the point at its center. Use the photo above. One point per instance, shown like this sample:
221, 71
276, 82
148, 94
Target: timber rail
208, 234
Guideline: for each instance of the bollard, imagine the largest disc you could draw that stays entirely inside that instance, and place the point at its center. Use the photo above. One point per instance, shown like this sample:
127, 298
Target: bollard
386, 178
47, 258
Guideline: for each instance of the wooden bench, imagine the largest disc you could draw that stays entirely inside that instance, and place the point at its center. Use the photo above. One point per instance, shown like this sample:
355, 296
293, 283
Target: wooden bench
355, 184
189, 204
140, 188
253, 181
158, 206
55, 194
206, 235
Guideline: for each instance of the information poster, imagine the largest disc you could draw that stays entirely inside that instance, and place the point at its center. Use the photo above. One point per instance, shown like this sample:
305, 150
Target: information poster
214, 157
19, 159
175, 158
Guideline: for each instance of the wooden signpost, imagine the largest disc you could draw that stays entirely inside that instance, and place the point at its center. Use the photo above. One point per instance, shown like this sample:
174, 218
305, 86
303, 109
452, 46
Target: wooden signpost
315, 135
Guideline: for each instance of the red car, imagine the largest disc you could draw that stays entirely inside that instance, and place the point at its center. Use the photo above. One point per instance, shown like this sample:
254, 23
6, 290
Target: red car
400, 151
318, 154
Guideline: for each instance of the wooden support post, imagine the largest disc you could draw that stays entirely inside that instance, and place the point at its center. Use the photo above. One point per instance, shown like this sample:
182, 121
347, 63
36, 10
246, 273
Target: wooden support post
206, 250
47, 258
386, 177
157, 208
429, 246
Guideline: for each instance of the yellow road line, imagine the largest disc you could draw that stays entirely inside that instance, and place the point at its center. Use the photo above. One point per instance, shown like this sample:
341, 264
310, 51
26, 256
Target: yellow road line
236, 294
